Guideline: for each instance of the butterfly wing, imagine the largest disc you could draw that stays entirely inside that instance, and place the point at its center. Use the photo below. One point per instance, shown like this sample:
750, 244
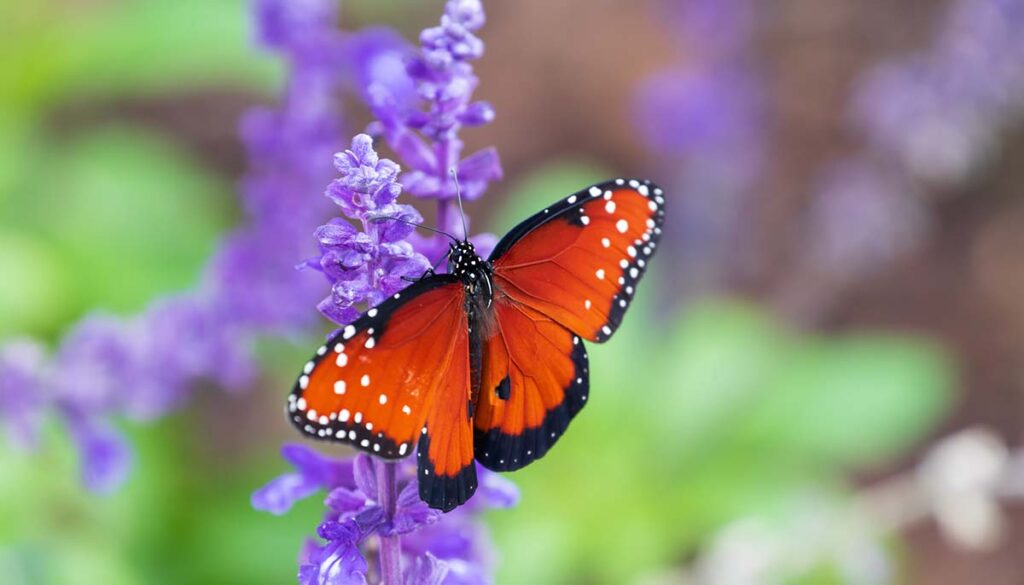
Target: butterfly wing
568, 272
399, 375
534, 381
579, 260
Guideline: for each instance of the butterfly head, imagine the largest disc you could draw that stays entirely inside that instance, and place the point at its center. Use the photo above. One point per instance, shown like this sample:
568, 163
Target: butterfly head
464, 262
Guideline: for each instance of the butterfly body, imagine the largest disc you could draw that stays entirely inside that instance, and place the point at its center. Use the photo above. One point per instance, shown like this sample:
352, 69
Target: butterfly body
487, 362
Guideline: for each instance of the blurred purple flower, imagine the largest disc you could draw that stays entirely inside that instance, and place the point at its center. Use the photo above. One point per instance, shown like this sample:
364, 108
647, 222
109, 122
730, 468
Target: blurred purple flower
704, 122
932, 116
683, 113
862, 217
22, 390
939, 111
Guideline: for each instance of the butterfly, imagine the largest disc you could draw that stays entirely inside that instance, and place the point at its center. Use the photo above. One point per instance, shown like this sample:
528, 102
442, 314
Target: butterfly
486, 362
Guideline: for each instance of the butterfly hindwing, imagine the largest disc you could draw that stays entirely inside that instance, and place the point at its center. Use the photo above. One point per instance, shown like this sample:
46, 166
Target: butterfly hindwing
579, 260
445, 467
535, 380
377, 381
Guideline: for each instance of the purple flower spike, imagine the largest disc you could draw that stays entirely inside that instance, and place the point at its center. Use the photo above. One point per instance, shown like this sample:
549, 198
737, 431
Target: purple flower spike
369, 265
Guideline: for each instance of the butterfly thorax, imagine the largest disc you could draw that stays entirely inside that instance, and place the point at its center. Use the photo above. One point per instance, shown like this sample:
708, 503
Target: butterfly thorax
474, 271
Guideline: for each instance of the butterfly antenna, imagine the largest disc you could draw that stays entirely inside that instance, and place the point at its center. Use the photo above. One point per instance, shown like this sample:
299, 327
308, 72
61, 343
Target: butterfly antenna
458, 196
380, 218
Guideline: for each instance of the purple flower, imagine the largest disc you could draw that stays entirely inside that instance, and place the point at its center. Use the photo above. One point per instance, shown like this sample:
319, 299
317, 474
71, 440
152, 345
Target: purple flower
372, 264
687, 113
22, 390
704, 120
313, 472
339, 562
427, 139
862, 217
450, 548
939, 111
104, 453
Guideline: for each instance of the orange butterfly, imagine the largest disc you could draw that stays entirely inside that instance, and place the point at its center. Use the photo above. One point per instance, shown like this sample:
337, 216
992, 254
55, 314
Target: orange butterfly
486, 362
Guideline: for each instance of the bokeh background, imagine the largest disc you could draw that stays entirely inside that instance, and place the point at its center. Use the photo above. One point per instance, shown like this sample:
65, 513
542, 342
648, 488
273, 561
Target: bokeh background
821, 381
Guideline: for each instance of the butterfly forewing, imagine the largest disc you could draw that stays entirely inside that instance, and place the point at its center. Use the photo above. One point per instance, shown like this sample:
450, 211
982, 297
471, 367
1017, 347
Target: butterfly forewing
374, 384
579, 260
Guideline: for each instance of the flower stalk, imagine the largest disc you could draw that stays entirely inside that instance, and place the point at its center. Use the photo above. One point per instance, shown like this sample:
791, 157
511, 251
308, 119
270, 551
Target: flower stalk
390, 546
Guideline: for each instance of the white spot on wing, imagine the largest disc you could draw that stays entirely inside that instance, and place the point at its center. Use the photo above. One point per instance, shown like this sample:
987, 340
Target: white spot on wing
350, 330
383, 399
572, 199
606, 242
600, 273
610, 207
365, 380
595, 191
622, 225
342, 360
339, 387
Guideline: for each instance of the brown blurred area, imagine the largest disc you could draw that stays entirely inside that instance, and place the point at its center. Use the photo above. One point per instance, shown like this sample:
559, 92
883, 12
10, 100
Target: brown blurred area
560, 77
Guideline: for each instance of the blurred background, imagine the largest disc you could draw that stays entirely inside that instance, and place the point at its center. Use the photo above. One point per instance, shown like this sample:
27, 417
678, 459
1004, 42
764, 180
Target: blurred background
821, 381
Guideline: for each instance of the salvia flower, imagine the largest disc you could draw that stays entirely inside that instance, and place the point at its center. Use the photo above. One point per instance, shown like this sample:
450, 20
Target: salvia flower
371, 264
424, 132
447, 548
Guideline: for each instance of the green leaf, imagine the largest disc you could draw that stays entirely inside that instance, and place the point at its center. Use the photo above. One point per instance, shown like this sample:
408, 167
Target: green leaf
55, 53
853, 401
130, 216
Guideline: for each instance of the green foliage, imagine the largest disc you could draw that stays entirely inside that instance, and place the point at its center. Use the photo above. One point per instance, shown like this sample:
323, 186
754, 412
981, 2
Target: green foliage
128, 217
53, 52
